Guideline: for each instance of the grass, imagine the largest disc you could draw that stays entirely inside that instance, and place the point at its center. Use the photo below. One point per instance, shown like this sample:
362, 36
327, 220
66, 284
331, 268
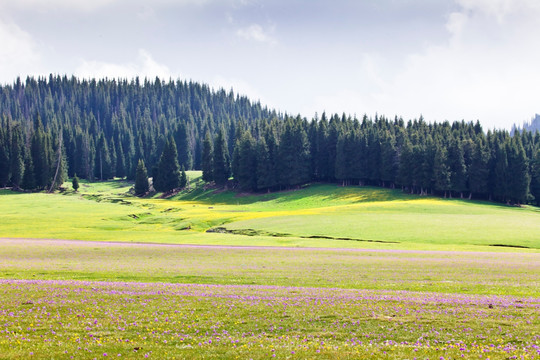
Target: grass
88, 300
318, 215
417, 277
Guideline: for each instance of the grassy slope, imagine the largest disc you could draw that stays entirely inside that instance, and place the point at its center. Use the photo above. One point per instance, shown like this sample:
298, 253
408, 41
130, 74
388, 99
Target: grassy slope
104, 211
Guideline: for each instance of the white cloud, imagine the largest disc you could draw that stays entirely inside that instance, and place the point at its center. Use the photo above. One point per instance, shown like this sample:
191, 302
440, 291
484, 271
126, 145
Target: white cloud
79, 5
19, 55
255, 32
487, 70
144, 66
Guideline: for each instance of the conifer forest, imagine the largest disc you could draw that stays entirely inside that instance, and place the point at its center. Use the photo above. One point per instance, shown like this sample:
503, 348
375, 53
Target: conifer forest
57, 127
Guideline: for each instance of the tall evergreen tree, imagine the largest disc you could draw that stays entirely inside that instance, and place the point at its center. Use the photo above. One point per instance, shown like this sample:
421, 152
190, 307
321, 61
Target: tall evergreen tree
40, 152
246, 163
479, 171
518, 174
141, 179
535, 176
5, 167
221, 163
294, 154
168, 176
456, 164
207, 160
103, 163
17, 157
500, 176
29, 180
441, 171
266, 174
183, 144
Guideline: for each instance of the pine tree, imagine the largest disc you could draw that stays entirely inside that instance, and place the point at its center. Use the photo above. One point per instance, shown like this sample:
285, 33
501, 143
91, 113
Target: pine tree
479, 171
246, 163
4, 159
17, 157
141, 179
222, 168
75, 183
207, 160
441, 171
294, 154
168, 176
501, 172
29, 180
519, 178
457, 167
535, 176
341, 163
103, 164
183, 178
182, 138
40, 152
266, 176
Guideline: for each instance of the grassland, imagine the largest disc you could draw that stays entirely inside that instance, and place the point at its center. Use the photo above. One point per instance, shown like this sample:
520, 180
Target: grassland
95, 300
322, 272
307, 217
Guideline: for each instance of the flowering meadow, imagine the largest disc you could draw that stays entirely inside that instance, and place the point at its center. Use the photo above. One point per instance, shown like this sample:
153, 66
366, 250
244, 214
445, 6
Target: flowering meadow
364, 306
85, 319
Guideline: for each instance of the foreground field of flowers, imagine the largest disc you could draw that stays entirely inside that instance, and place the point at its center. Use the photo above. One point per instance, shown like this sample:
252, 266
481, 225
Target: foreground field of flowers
96, 319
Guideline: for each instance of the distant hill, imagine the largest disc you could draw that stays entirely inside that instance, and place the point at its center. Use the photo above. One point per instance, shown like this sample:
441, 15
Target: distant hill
533, 125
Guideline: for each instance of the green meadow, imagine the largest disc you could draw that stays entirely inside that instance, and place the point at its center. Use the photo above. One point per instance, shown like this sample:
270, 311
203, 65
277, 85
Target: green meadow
315, 216
323, 272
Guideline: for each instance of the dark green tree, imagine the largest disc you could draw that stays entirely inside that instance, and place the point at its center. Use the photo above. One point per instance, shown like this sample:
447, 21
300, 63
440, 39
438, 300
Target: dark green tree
456, 164
222, 168
246, 162
479, 171
294, 157
40, 152
207, 159
17, 157
441, 171
5, 162
535, 176
183, 144
266, 175
103, 164
29, 180
518, 166
75, 183
168, 176
183, 178
141, 179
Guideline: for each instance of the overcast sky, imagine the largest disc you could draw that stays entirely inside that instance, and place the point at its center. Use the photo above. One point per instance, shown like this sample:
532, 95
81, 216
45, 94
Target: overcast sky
444, 59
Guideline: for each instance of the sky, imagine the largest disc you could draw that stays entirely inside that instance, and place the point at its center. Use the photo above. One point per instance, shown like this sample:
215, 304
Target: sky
441, 59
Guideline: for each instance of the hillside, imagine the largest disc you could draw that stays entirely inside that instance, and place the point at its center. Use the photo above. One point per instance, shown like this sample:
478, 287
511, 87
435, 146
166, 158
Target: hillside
53, 128
317, 216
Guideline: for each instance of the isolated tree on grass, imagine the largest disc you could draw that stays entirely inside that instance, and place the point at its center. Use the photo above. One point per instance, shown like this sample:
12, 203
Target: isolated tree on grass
75, 183
141, 179
168, 176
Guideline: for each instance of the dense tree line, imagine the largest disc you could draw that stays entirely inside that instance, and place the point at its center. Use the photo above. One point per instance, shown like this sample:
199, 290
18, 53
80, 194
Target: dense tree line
107, 126
450, 160
56, 127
